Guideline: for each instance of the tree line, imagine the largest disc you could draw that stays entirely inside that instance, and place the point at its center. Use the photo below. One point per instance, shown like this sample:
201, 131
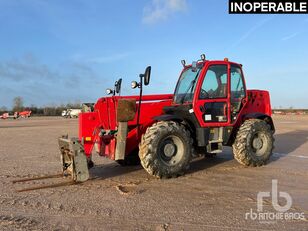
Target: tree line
53, 110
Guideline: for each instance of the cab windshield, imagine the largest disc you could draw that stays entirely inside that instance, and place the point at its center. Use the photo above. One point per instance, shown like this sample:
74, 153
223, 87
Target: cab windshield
186, 86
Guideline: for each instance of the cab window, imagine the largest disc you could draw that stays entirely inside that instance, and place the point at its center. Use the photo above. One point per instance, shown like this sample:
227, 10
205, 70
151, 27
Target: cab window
215, 83
237, 88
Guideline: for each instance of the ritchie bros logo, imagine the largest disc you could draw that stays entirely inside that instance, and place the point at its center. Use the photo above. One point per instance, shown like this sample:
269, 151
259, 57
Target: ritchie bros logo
281, 212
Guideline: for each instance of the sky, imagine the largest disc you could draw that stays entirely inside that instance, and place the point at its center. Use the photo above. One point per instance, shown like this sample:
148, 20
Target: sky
55, 52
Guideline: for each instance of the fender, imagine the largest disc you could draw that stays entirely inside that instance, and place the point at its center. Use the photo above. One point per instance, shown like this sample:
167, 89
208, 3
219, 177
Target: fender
260, 116
168, 117
190, 122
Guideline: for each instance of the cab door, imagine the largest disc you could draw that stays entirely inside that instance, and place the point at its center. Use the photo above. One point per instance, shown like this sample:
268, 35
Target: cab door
212, 98
238, 92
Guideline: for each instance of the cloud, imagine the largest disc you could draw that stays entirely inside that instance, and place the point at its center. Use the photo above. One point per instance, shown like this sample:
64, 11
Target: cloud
161, 10
39, 83
25, 68
29, 69
290, 36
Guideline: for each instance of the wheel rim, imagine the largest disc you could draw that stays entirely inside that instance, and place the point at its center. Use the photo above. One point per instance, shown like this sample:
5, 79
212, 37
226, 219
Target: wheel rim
258, 143
171, 150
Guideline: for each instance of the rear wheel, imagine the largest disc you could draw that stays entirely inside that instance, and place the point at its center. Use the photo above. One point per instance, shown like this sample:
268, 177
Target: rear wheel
254, 141
166, 149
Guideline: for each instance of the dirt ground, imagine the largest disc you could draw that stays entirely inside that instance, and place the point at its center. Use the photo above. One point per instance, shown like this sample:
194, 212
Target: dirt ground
215, 194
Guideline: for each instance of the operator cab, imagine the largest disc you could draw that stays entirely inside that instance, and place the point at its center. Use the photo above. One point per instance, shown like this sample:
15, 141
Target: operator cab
215, 91
208, 97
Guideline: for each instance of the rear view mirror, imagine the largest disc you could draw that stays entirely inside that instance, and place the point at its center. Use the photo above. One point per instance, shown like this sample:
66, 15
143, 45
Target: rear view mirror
144, 78
147, 75
118, 85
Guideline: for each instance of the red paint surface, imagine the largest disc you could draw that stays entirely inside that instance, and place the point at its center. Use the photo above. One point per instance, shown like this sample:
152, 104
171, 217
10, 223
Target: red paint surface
104, 115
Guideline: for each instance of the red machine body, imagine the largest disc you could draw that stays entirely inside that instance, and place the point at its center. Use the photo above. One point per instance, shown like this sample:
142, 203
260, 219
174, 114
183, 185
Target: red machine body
25, 114
104, 119
97, 129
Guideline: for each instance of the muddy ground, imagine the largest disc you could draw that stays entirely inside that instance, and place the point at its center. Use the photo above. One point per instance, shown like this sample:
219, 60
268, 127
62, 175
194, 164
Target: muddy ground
215, 194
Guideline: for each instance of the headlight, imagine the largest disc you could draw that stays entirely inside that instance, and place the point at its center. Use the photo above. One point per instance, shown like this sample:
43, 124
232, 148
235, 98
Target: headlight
109, 91
134, 84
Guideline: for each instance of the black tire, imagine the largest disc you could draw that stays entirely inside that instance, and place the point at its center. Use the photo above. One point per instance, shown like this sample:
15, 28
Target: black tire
254, 143
166, 149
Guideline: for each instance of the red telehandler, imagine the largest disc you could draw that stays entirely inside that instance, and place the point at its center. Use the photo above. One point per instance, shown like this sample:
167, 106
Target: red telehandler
210, 108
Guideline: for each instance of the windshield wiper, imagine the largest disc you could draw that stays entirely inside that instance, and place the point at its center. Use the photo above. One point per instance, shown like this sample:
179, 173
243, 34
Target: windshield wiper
190, 87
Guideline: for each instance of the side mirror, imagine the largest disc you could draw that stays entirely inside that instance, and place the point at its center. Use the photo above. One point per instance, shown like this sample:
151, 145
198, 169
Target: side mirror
183, 62
194, 66
118, 85
147, 75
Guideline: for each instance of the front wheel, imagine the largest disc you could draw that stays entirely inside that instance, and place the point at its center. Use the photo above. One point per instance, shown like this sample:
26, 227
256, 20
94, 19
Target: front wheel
254, 143
166, 149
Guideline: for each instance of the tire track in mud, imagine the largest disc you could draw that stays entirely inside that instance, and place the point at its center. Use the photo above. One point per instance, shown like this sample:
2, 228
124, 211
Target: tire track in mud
41, 201
11, 222
34, 208
45, 201
30, 204
46, 197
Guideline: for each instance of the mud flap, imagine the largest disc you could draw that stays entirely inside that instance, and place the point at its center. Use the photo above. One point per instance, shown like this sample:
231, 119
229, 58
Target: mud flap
121, 141
73, 159
126, 111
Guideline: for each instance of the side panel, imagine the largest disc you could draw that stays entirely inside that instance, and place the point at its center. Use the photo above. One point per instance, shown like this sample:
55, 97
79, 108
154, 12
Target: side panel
258, 101
88, 130
148, 112
151, 106
106, 120
257, 106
